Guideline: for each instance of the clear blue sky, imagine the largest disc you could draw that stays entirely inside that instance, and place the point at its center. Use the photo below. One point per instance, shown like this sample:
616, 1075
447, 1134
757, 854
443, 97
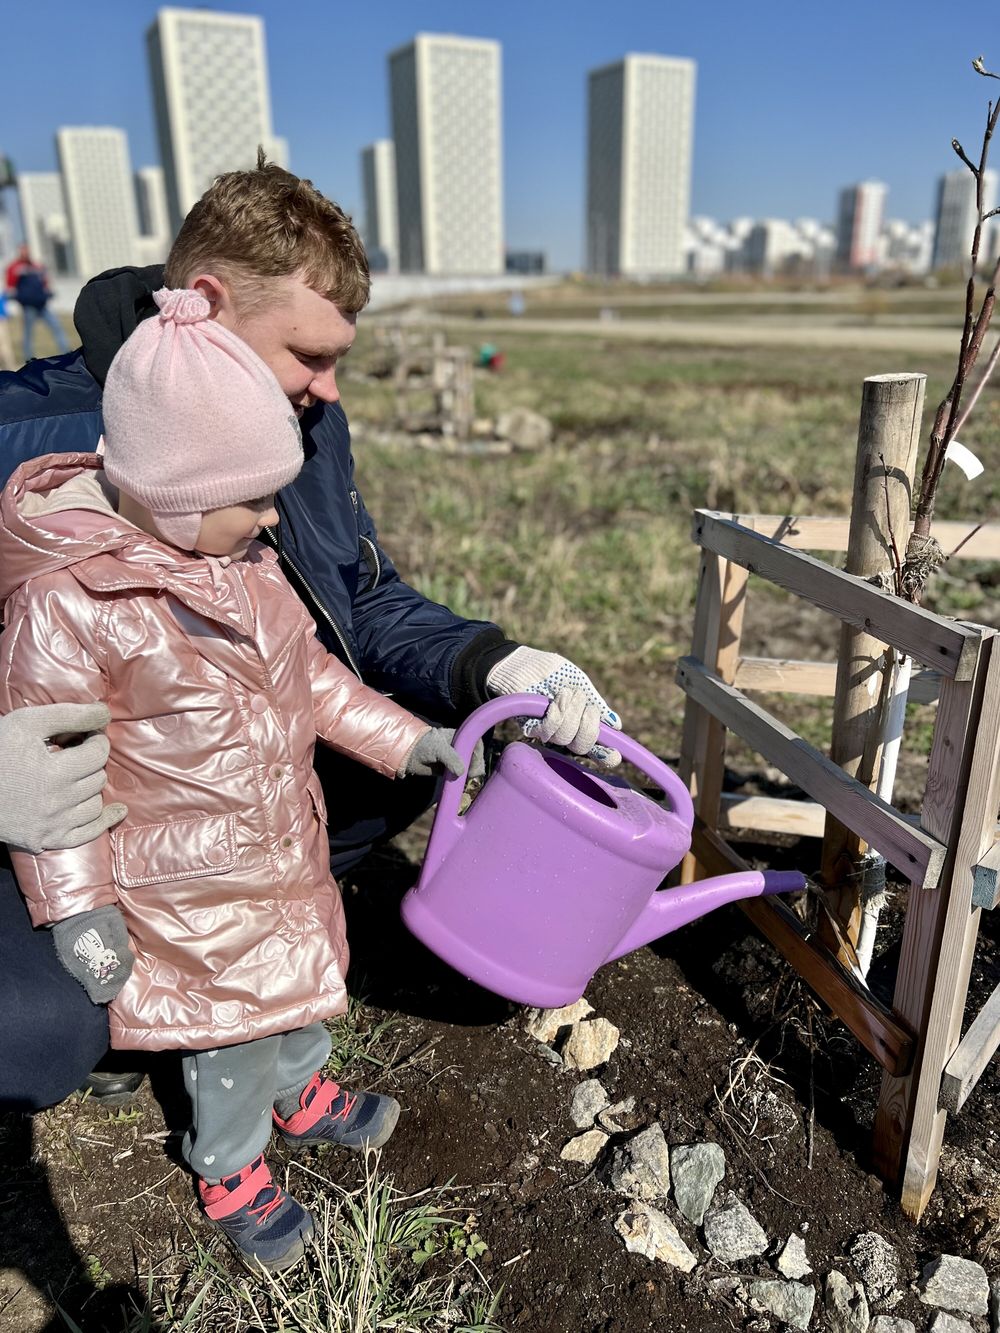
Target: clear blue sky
793, 99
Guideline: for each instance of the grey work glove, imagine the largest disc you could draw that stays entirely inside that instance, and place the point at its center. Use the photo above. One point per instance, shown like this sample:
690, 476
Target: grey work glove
433, 754
93, 947
51, 798
577, 709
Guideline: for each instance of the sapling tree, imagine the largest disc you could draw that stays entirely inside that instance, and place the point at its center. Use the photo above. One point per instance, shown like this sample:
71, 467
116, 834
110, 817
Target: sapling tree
923, 552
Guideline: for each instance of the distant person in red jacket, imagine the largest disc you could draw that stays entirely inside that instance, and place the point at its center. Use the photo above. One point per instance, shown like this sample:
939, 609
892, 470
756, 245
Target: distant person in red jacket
28, 284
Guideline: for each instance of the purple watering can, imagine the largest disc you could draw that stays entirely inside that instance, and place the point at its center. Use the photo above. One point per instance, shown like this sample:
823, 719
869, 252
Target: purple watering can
555, 869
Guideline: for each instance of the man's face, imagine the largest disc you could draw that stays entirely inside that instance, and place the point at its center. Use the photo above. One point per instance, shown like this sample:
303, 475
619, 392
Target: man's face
230, 530
301, 336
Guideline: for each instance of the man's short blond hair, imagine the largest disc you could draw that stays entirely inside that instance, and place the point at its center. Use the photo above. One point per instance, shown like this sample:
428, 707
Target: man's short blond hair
250, 226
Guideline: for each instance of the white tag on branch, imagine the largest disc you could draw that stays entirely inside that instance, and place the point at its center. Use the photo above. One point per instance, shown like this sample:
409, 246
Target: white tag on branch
965, 459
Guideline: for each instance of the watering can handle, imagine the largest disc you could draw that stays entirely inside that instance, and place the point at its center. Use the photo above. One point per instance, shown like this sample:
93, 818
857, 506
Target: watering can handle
534, 705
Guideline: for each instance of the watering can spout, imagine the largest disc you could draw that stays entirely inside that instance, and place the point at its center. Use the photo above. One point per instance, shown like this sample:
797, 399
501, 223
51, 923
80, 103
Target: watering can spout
669, 909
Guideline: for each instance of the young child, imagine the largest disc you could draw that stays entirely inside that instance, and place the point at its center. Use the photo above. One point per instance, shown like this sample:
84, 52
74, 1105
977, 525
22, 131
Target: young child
208, 920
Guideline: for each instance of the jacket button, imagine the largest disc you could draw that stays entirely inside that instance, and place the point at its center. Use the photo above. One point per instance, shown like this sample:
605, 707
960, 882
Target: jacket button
286, 842
136, 865
258, 704
215, 855
277, 772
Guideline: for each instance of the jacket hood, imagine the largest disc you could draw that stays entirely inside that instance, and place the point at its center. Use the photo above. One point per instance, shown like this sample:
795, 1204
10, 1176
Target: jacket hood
59, 511
109, 308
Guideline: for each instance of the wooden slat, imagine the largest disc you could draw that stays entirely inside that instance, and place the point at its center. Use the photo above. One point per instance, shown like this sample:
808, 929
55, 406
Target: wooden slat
945, 645
913, 852
939, 934
875, 1027
772, 814
986, 879
783, 675
965, 1068
718, 627
806, 532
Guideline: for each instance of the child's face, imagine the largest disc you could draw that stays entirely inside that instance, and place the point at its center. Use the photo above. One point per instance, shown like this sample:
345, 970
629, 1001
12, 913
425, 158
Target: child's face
229, 531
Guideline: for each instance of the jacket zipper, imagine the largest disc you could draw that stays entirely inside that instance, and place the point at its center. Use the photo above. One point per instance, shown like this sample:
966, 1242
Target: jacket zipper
315, 598
378, 563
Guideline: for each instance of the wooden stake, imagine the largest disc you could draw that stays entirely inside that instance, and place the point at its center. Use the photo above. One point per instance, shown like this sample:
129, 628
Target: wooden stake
888, 438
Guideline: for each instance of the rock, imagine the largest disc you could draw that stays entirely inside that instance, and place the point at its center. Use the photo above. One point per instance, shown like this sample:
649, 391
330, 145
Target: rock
791, 1302
793, 1260
696, 1170
608, 1119
732, 1232
846, 1304
641, 1167
524, 428
585, 1147
884, 1324
877, 1265
590, 1043
947, 1323
959, 1285
995, 1304
651, 1233
545, 1024
589, 1099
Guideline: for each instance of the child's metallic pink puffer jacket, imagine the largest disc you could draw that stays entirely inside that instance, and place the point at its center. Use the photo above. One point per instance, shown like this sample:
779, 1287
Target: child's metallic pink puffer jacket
217, 687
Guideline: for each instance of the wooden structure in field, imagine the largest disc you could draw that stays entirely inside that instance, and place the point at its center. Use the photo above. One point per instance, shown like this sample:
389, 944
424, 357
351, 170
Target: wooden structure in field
950, 857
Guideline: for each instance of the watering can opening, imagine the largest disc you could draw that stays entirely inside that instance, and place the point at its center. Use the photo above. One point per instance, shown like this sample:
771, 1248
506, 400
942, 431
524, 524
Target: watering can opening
579, 779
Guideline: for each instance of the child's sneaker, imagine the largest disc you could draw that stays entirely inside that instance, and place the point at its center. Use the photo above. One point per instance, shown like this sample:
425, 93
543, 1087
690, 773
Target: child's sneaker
266, 1225
329, 1113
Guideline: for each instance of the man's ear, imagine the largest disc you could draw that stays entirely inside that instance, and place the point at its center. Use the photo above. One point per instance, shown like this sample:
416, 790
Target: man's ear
217, 296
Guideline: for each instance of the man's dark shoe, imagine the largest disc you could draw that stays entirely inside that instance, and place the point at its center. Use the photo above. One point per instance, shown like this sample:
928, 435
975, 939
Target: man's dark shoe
111, 1087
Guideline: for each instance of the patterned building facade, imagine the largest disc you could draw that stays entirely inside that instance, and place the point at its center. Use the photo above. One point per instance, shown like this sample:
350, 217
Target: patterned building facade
639, 146
446, 122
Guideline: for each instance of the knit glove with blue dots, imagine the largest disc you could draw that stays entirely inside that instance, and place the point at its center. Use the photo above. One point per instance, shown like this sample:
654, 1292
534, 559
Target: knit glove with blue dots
577, 708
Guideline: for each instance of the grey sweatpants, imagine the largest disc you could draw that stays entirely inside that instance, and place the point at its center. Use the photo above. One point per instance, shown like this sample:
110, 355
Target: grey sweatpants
233, 1091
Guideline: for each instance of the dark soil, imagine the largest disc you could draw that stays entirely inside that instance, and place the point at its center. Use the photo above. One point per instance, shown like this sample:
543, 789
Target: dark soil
88, 1204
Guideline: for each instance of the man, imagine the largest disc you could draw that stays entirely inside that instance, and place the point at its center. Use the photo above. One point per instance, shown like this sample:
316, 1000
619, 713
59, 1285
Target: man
28, 283
284, 268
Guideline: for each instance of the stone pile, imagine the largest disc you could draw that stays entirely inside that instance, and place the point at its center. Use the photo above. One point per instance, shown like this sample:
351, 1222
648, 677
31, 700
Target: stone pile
712, 1231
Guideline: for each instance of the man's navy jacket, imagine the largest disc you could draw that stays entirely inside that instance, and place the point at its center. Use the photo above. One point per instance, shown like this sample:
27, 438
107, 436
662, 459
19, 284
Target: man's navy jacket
391, 635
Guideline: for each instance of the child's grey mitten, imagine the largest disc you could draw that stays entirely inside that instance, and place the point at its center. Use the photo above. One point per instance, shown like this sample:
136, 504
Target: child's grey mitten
93, 947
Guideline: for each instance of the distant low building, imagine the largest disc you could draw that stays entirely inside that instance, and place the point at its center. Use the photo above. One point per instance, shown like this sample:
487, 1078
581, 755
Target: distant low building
525, 261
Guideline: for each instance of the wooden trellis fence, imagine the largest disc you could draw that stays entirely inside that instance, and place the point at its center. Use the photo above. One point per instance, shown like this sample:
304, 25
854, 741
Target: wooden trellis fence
951, 856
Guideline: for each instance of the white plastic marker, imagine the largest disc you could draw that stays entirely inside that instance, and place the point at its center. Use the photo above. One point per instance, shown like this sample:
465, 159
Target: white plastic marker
965, 459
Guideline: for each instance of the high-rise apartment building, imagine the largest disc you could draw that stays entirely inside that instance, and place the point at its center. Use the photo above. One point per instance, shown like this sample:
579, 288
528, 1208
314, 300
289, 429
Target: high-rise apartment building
955, 217
100, 198
446, 126
381, 220
210, 96
43, 217
860, 210
154, 219
639, 137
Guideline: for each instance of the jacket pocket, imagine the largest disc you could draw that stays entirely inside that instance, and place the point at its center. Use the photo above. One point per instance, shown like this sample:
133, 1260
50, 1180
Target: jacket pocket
177, 849
315, 789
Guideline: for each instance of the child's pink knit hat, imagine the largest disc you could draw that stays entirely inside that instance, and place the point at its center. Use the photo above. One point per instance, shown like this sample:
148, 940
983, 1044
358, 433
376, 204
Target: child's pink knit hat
194, 420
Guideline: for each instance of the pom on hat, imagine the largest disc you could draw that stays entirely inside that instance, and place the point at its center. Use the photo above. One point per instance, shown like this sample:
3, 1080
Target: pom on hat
193, 419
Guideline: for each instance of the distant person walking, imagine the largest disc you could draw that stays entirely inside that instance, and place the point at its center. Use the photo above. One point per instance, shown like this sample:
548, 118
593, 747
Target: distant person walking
28, 284
7, 361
